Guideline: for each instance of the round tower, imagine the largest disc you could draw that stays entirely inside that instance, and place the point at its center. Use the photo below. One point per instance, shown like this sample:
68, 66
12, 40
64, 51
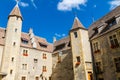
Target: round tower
10, 57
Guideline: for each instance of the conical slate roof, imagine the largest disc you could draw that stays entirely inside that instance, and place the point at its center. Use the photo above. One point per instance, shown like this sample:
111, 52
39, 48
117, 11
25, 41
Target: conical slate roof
77, 24
15, 12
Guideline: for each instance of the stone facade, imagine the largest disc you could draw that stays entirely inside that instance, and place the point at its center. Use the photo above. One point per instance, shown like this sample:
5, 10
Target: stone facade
64, 67
77, 64
23, 56
105, 41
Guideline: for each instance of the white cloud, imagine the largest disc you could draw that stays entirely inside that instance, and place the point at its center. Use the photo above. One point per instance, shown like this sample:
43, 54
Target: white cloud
68, 5
23, 4
33, 3
114, 3
95, 6
59, 35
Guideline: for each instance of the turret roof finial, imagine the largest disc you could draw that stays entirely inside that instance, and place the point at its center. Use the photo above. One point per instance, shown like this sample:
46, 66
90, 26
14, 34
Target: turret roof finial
16, 11
17, 2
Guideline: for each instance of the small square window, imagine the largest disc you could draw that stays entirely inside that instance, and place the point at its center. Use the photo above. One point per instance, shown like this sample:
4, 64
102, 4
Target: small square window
15, 29
75, 34
35, 60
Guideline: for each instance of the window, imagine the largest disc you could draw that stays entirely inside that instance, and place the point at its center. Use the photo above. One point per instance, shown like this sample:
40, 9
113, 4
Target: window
43, 45
78, 61
78, 58
35, 60
14, 43
117, 64
12, 59
58, 47
24, 41
23, 78
17, 18
69, 44
11, 71
111, 22
98, 67
24, 66
36, 78
44, 69
59, 56
114, 42
15, 29
75, 34
96, 48
25, 52
44, 56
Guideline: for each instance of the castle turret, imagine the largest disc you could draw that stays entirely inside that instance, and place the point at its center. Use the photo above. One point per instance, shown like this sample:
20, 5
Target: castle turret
80, 51
10, 57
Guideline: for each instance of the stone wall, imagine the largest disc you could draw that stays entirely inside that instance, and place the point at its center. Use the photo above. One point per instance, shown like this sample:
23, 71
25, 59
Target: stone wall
106, 56
64, 69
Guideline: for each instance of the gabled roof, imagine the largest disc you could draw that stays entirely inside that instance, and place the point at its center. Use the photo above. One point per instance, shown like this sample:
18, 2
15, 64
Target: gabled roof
16, 12
77, 24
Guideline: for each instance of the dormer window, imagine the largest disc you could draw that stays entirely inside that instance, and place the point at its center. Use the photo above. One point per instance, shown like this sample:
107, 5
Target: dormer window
43, 45
24, 41
61, 46
96, 30
111, 22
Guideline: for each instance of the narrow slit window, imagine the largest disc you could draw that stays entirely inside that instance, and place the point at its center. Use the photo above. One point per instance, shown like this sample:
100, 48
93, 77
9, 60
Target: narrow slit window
14, 43
12, 59
75, 34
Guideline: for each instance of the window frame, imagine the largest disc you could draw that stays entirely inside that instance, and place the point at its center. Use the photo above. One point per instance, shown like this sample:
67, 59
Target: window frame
117, 68
114, 41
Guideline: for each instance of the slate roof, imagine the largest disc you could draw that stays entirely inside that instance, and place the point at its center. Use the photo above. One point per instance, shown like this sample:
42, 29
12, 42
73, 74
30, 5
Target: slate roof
103, 21
65, 43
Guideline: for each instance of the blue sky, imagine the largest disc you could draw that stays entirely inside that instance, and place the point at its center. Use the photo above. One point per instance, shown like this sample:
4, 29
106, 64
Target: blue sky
54, 18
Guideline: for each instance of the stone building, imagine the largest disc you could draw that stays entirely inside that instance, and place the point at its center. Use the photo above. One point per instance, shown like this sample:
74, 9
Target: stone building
104, 36
23, 56
71, 60
79, 56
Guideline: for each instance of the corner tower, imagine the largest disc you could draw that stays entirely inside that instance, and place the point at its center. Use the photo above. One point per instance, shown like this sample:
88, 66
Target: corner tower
82, 63
10, 58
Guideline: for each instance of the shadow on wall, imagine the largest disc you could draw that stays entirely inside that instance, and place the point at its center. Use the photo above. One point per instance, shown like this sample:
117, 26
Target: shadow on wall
64, 69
